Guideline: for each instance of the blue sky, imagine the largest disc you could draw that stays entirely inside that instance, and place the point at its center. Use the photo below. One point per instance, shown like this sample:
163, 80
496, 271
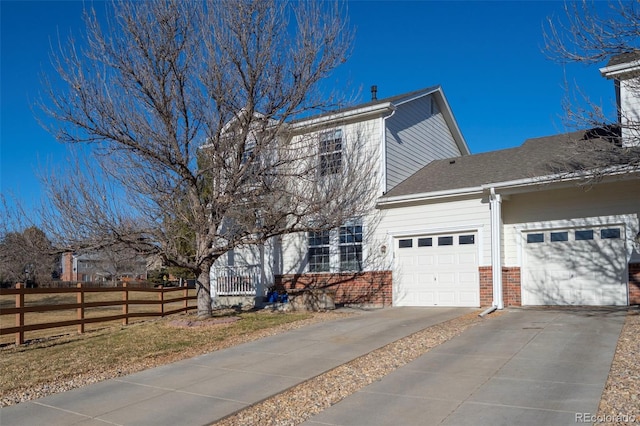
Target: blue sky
487, 56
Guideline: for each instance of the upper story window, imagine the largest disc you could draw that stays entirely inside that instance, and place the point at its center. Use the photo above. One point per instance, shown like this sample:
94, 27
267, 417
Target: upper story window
330, 152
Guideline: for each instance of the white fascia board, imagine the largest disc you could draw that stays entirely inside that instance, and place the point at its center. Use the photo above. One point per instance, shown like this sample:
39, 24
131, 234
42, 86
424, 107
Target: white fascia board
614, 70
426, 196
531, 184
360, 113
417, 96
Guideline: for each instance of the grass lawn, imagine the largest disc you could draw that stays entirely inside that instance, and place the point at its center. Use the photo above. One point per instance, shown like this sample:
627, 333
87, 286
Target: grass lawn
8, 301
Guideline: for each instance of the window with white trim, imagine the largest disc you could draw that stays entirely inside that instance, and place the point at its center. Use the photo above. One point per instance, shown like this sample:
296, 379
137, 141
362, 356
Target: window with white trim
319, 251
351, 247
330, 152
338, 249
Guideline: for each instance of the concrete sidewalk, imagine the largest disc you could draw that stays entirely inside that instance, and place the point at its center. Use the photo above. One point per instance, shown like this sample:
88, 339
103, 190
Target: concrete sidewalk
204, 389
525, 367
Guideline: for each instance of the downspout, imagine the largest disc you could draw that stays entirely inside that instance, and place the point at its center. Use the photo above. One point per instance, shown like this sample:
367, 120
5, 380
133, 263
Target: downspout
495, 204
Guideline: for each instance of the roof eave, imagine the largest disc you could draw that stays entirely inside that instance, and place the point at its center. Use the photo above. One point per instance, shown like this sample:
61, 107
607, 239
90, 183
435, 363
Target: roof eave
516, 186
614, 71
358, 113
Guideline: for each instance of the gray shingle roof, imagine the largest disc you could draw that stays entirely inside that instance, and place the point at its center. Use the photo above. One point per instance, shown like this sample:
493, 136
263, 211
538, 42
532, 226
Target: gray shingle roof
624, 57
570, 152
390, 99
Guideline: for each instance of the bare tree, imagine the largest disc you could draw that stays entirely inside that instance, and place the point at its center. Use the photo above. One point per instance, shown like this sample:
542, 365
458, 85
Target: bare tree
190, 109
605, 34
27, 257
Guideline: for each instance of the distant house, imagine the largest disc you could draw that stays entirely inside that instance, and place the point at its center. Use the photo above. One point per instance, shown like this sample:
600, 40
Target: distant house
102, 267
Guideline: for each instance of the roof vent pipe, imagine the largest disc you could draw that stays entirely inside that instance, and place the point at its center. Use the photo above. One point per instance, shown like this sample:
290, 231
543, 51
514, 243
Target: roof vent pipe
374, 93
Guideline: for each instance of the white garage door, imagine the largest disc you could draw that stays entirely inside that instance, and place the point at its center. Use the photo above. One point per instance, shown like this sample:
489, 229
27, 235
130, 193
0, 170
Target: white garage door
437, 270
585, 266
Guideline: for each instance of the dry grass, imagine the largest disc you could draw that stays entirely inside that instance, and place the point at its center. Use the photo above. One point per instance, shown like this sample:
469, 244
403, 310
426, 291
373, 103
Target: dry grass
53, 365
8, 301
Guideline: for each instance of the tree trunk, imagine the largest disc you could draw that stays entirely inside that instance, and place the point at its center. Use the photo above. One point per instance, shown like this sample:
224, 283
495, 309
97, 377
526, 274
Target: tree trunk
204, 294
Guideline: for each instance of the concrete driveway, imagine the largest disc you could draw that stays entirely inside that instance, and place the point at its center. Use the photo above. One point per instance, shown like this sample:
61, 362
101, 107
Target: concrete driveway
204, 389
527, 366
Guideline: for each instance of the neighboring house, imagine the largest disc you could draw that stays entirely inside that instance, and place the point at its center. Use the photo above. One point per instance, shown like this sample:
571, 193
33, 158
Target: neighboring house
513, 227
101, 267
405, 132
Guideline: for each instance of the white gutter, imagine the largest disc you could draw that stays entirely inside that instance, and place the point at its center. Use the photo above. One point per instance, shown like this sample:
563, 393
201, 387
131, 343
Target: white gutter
424, 196
622, 68
325, 119
495, 204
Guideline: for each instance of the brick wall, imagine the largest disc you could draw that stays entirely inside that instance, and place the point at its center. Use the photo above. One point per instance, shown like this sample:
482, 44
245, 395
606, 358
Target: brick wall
634, 284
367, 288
511, 290
486, 286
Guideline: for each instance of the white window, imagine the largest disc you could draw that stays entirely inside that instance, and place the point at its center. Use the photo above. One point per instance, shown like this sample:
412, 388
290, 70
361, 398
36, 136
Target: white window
351, 247
338, 249
319, 251
330, 151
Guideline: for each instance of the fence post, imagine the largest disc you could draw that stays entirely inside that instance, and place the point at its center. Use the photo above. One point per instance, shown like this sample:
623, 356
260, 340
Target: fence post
125, 304
186, 300
162, 301
80, 310
20, 315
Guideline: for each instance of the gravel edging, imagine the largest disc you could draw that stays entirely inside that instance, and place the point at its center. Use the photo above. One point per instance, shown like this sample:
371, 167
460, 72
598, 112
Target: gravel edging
620, 402
302, 401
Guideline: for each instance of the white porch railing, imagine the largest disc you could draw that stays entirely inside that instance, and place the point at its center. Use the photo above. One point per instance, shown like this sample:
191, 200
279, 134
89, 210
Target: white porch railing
236, 280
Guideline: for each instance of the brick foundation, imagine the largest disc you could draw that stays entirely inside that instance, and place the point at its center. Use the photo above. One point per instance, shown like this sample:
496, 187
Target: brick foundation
511, 290
362, 288
634, 284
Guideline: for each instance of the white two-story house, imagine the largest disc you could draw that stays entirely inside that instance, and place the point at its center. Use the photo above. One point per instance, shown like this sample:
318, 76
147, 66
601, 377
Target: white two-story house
402, 134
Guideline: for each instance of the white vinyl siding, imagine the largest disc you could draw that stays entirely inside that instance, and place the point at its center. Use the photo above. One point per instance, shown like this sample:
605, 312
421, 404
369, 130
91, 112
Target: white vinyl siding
438, 218
416, 135
569, 208
630, 112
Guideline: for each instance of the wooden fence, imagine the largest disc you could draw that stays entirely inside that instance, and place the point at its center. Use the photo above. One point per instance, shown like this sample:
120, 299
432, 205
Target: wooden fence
81, 306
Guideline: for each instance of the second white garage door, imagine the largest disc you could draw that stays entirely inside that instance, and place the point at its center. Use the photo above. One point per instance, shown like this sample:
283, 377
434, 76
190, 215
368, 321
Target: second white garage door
437, 270
583, 266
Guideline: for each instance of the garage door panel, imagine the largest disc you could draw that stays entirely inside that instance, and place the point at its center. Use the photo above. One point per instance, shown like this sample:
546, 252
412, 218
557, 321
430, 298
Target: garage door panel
446, 278
446, 259
468, 298
587, 269
467, 259
468, 279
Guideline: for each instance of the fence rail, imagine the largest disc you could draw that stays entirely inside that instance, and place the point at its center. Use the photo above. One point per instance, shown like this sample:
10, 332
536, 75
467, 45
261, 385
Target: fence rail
81, 306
